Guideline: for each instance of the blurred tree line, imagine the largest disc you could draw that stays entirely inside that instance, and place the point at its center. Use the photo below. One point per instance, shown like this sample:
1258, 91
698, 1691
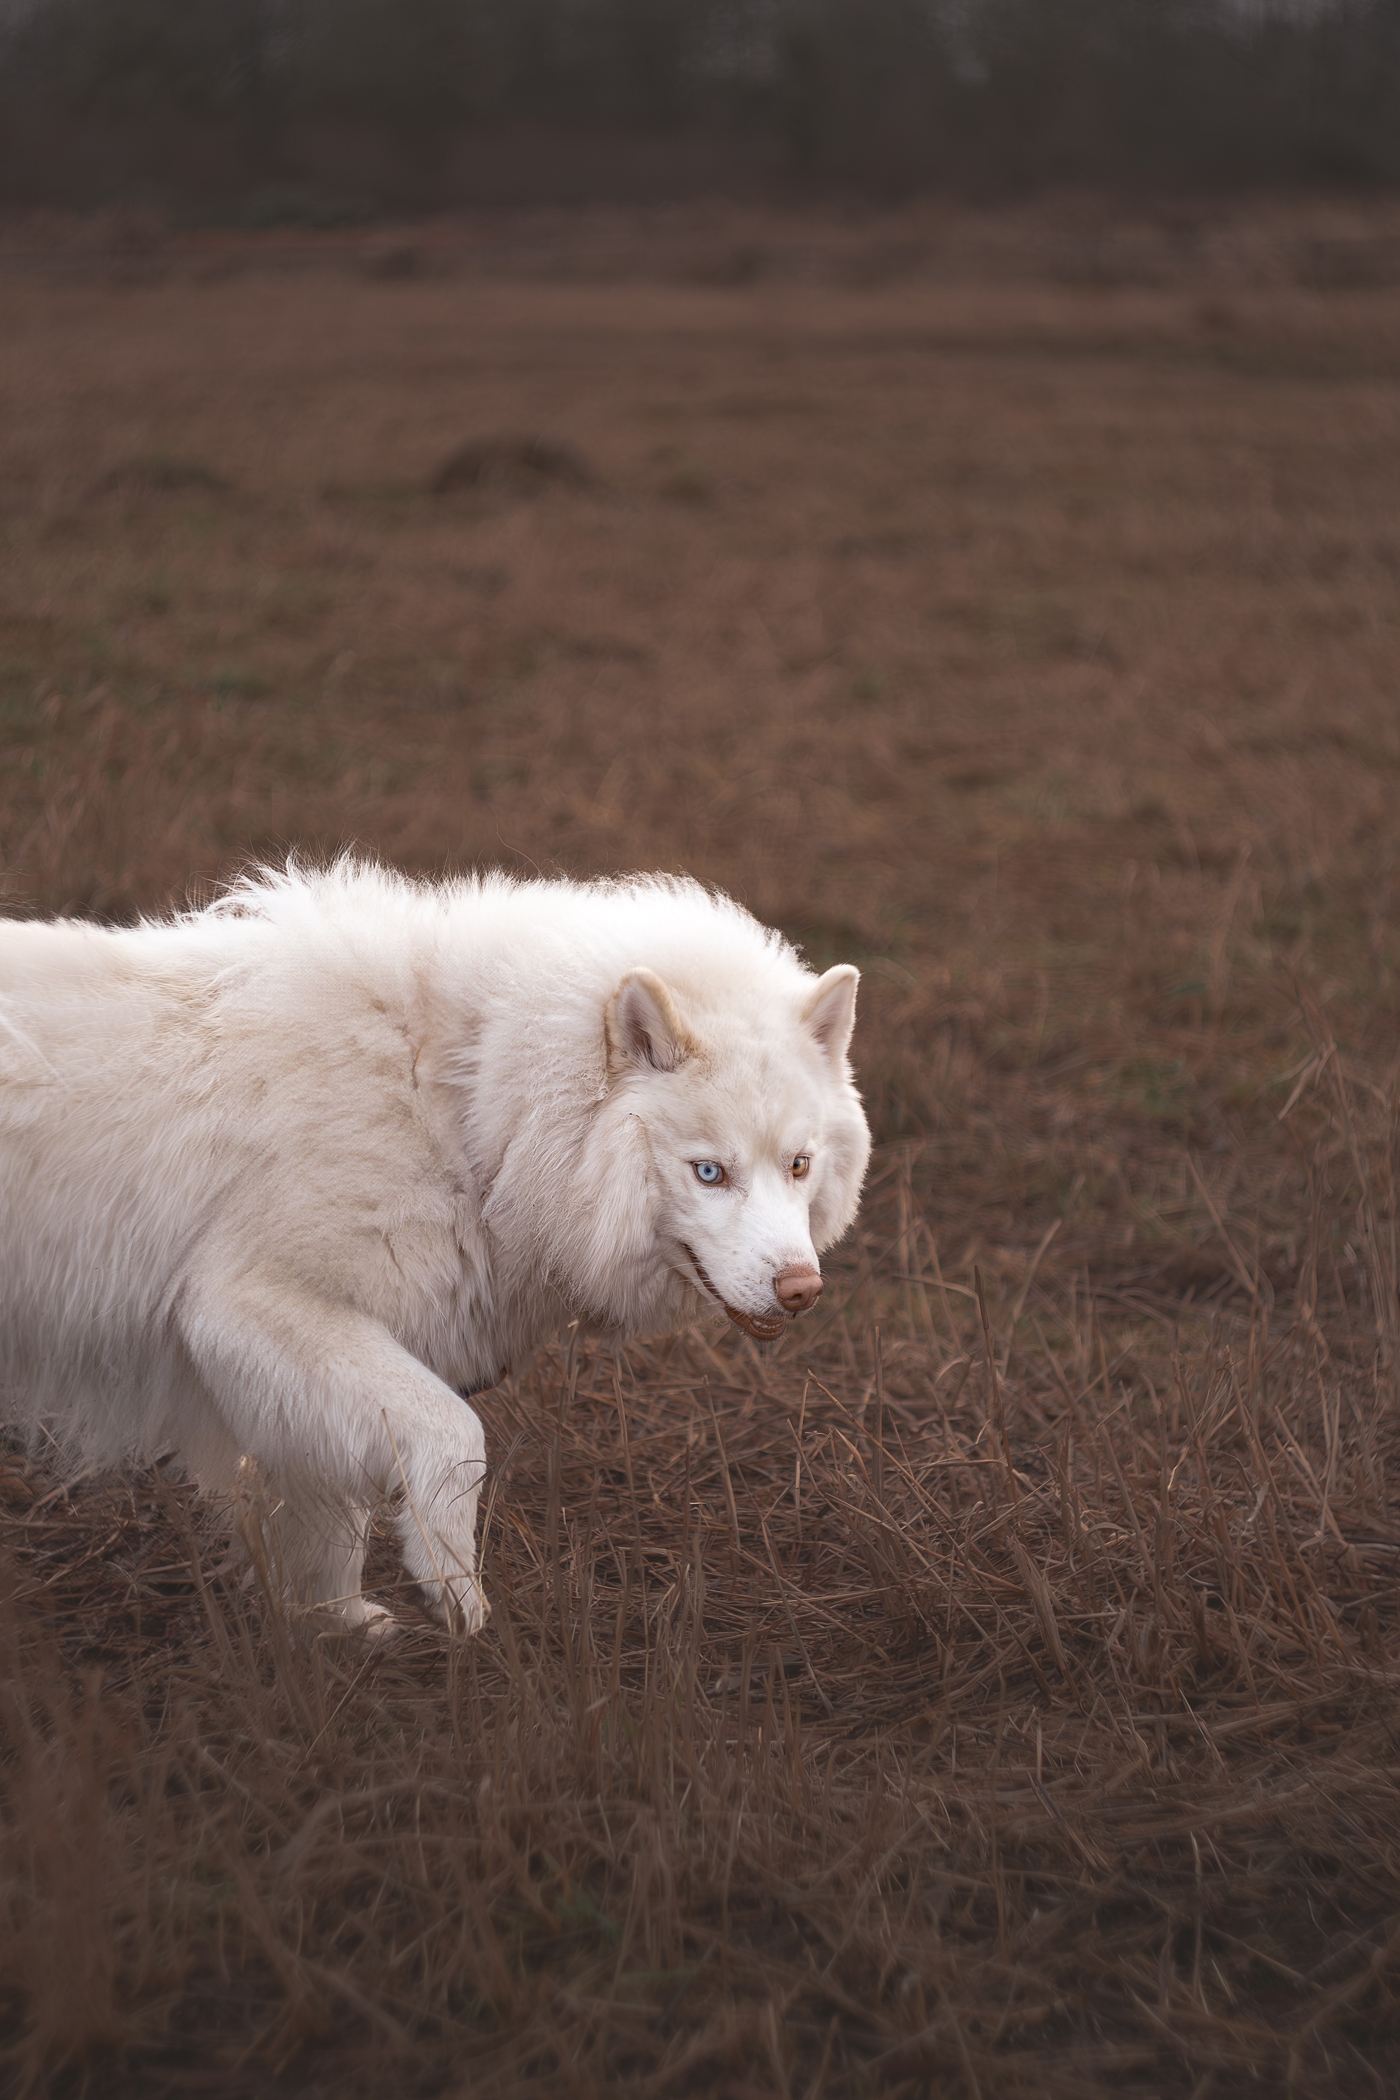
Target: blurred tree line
894, 92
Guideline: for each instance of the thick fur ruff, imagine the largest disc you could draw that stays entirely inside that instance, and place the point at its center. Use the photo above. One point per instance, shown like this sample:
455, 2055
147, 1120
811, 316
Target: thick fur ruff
282, 1179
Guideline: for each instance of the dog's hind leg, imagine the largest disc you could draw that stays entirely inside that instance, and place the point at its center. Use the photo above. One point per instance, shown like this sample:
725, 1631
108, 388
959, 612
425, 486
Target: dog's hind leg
315, 1555
339, 1412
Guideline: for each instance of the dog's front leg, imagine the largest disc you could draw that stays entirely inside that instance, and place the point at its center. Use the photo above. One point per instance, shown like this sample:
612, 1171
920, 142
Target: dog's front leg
338, 1412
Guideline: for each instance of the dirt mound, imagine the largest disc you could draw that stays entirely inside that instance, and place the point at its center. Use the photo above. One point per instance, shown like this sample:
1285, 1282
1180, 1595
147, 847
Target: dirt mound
161, 474
519, 465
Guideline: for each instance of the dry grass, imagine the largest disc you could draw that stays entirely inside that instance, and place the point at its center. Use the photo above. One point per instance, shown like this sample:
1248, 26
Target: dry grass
989, 1696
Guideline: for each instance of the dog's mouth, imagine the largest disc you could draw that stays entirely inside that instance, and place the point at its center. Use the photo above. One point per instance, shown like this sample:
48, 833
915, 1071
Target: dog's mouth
763, 1327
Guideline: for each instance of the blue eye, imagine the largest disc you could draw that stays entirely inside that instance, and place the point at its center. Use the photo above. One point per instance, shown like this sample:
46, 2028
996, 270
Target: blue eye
709, 1171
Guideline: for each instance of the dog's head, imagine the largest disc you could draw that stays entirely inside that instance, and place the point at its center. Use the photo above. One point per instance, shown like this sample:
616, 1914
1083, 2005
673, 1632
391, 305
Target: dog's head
756, 1141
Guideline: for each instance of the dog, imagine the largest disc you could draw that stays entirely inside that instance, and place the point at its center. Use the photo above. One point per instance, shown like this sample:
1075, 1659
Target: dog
285, 1179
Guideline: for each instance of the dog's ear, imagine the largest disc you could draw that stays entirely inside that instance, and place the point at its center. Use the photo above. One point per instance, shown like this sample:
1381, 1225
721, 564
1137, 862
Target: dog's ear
830, 1012
644, 1026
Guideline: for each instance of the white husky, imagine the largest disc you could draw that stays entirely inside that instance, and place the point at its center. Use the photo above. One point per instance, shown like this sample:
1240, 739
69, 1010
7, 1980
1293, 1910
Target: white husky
284, 1178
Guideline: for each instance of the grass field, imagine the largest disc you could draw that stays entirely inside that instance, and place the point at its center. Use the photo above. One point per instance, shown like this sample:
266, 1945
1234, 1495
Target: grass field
995, 1690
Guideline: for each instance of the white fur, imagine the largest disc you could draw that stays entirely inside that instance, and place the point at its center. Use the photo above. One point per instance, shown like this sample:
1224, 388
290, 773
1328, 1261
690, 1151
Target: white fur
284, 1177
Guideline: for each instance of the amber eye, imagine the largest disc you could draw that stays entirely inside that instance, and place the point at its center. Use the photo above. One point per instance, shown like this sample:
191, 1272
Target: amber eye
801, 1166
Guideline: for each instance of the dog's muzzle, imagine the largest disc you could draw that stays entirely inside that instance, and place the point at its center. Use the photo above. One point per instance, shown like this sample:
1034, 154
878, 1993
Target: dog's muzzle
796, 1290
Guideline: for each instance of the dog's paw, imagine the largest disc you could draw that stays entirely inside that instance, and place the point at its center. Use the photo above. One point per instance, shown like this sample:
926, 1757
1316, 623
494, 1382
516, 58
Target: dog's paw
359, 1619
441, 1558
458, 1604
378, 1628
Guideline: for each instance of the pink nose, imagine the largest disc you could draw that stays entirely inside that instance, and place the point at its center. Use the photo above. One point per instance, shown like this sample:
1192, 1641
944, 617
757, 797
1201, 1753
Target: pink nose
797, 1290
